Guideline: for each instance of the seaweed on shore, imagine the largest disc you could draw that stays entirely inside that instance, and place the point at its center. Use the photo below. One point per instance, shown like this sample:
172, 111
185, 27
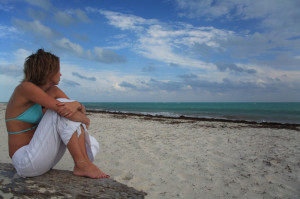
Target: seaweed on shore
184, 119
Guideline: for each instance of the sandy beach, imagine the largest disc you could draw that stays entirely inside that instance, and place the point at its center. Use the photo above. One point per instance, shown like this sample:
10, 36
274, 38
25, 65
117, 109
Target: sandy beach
181, 158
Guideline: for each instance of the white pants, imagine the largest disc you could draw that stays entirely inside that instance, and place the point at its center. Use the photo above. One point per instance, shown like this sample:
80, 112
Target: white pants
48, 144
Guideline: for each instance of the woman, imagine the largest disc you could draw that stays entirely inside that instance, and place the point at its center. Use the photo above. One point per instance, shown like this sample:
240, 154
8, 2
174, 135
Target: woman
42, 122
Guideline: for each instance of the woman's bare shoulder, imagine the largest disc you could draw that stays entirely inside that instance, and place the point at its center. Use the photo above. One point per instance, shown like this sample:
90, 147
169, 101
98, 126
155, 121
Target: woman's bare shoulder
29, 91
25, 85
56, 92
21, 89
19, 101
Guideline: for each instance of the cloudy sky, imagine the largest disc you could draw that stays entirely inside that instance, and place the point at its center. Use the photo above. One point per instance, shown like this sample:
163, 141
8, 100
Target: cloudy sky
158, 50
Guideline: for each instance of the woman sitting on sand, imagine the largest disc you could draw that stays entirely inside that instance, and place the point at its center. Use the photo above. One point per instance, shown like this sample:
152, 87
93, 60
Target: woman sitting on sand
42, 122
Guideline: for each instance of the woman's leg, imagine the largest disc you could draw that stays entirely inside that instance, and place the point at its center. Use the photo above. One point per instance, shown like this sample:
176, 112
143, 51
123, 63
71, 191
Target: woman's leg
77, 144
83, 166
46, 148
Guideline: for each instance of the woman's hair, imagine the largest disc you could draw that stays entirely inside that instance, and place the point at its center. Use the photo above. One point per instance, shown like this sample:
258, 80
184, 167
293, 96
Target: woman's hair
39, 66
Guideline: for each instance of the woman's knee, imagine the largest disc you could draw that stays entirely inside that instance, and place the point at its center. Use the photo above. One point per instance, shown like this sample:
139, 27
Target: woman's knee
82, 131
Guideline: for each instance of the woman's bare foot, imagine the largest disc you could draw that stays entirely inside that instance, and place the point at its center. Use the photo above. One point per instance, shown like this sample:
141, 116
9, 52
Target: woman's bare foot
88, 169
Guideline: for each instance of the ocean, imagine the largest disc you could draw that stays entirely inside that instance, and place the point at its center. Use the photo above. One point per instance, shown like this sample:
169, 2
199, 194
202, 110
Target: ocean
257, 112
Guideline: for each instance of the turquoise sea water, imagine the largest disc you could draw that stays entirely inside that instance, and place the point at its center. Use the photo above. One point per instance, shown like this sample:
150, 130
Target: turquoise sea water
259, 112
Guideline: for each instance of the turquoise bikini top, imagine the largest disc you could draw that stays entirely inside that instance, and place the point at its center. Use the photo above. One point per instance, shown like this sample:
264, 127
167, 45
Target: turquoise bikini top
32, 115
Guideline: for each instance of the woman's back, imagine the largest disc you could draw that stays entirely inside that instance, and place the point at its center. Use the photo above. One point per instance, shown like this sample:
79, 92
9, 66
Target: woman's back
20, 131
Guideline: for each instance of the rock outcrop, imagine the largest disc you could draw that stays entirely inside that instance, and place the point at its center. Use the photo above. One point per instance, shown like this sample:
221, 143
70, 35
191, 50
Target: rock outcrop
61, 184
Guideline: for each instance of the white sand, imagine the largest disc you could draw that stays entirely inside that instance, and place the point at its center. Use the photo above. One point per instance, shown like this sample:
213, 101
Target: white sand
192, 159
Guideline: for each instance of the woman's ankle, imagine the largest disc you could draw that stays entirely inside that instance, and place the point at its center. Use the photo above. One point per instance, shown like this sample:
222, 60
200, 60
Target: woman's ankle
81, 163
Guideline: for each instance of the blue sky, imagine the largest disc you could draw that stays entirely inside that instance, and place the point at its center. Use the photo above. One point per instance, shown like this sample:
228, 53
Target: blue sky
158, 50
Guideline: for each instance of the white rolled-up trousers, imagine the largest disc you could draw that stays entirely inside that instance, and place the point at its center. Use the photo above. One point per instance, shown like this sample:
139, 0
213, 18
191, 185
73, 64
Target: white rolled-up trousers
48, 144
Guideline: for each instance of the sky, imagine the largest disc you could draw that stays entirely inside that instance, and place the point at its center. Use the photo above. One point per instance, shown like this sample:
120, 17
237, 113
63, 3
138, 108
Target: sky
158, 50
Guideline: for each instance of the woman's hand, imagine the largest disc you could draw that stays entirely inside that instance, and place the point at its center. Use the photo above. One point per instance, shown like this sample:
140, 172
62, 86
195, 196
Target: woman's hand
67, 109
73, 111
87, 123
82, 109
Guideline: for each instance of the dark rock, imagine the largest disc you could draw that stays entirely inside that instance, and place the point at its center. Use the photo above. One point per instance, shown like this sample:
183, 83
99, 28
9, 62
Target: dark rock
61, 184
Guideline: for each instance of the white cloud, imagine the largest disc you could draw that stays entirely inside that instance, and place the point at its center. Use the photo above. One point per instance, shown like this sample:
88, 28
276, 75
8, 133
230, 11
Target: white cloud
45, 4
105, 85
21, 55
244, 46
15, 68
198, 8
36, 14
11, 70
118, 87
160, 50
124, 21
66, 44
274, 14
236, 8
107, 56
71, 16
82, 16
177, 44
64, 18
188, 46
6, 8
167, 43
205, 35
36, 28
100, 54
6, 31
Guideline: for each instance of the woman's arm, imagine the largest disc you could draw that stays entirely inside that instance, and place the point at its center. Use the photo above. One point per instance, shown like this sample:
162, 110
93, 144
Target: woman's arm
74, 109
33, 93
80, 117
37, 95
66, 109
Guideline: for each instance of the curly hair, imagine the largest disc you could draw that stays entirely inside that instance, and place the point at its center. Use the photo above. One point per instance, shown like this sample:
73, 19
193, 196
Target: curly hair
40, 66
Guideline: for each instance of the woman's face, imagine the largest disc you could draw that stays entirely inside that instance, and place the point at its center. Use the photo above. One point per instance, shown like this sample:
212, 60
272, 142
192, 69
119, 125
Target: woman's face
54, 79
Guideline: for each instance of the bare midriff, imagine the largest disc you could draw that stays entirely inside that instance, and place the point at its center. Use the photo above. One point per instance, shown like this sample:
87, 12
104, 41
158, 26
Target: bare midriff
16, 141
